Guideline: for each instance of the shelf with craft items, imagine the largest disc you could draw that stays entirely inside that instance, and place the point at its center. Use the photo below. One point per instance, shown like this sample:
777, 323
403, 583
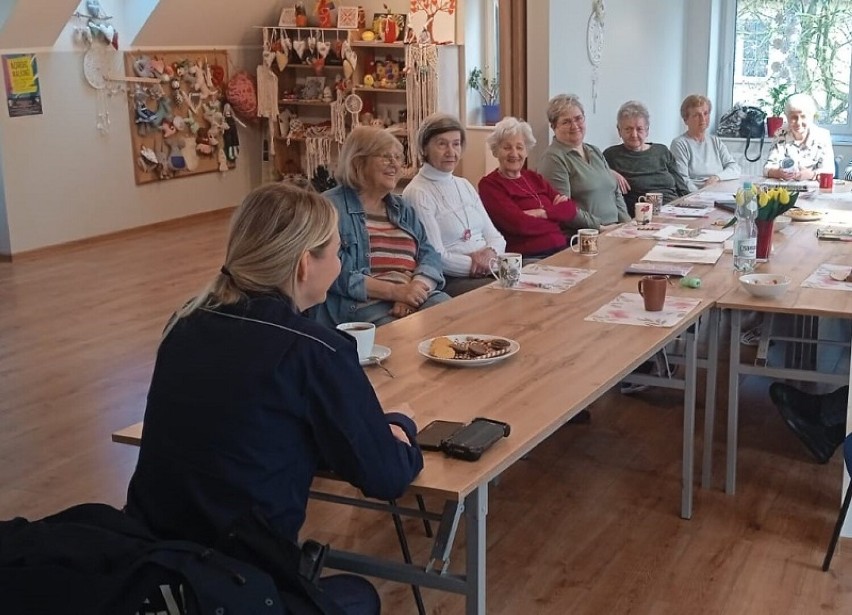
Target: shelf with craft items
308, 63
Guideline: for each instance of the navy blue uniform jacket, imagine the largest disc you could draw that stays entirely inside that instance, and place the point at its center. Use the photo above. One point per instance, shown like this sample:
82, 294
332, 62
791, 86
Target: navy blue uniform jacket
247, 401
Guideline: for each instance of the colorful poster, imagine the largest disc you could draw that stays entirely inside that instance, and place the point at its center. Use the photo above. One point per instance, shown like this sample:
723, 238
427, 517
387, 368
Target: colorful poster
23, 93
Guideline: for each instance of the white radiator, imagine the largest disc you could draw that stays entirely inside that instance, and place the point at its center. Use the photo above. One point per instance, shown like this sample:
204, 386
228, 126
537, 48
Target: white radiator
737, 148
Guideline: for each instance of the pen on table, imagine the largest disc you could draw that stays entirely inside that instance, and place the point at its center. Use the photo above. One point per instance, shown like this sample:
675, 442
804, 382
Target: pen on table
688, 247
690, 216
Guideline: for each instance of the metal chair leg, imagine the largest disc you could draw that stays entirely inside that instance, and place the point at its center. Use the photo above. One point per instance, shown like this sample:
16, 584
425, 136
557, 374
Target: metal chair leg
406, 555
837, 527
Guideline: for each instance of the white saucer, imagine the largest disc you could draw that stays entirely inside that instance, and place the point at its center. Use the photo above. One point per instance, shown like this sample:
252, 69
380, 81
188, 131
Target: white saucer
379, 353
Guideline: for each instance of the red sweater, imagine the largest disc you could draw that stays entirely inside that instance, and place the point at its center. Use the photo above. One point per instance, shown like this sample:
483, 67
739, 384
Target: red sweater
506, 200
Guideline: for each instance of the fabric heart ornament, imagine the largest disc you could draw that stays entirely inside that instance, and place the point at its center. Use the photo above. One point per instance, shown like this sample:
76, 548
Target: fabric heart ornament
268, 58
281, 59
300, 47
348, 69
158, 65
312, 43
323, 48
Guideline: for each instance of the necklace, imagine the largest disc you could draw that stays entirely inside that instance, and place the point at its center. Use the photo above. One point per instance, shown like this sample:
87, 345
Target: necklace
465, 223
528, 189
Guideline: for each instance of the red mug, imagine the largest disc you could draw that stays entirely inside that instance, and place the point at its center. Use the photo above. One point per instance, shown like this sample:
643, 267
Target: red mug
826, 181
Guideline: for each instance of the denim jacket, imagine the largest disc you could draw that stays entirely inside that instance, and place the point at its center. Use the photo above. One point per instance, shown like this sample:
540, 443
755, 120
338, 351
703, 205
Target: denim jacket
349, 290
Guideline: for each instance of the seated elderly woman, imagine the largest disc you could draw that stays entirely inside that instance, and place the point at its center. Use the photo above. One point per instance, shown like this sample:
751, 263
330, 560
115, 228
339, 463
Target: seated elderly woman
801, 150
701, 159
388, 268
524, 207
577, 169
647, 167
456, 222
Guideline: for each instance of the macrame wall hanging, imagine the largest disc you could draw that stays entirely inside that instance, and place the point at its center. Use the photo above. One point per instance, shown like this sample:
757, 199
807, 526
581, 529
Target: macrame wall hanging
338, 118
267, 89
317, 153
421, 89
594, 43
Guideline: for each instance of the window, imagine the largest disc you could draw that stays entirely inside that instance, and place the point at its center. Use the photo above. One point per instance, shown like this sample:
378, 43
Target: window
805, 44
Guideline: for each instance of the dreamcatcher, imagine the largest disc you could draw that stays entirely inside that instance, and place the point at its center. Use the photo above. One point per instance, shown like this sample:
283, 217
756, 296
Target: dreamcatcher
421, 89
594, 44
353, 105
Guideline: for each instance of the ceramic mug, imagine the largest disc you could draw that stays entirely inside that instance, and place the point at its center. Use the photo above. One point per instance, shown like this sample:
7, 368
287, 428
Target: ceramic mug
826, 181
656, 199
653, 291
506, 269
644, 211
585, 241
364, 334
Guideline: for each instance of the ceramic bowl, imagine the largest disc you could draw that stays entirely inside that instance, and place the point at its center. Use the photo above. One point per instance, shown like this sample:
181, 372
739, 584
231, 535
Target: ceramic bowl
781, 222
767, 285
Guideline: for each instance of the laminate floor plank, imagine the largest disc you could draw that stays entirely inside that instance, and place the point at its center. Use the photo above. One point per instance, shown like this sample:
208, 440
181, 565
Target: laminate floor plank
587, 524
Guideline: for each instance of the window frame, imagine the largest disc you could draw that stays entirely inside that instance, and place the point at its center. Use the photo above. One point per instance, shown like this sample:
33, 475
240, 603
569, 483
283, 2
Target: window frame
725, 73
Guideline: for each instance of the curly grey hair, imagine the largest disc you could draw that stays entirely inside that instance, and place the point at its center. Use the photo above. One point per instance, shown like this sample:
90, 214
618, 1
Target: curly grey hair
507, 128
558, 106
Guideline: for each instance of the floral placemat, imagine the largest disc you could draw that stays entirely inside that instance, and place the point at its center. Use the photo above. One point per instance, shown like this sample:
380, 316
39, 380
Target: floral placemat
548, 279
821, 278
629, 309
633, 230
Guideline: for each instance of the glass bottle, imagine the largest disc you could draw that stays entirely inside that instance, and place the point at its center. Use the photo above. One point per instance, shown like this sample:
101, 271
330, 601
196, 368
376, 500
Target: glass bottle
745, 232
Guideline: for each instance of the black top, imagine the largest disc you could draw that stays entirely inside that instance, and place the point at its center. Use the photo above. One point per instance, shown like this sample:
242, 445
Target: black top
653, 170
246, 403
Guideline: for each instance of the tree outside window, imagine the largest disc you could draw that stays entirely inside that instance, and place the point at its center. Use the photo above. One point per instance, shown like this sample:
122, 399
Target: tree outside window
806, 44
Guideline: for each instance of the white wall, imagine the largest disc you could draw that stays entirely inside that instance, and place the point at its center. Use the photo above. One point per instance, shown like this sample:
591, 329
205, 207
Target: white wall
642, 60
66, 181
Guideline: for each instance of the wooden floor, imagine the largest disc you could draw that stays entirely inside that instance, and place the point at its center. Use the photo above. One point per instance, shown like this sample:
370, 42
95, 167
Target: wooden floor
587, 524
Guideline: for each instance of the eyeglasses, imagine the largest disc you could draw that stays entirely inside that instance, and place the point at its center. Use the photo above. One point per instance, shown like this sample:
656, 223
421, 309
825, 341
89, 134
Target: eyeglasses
391, 159
577, 120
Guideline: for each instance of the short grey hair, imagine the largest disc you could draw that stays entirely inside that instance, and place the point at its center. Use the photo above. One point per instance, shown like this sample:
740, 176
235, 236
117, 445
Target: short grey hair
362, 142
508, 128
558, 106
801, 102
631, 109
434, 125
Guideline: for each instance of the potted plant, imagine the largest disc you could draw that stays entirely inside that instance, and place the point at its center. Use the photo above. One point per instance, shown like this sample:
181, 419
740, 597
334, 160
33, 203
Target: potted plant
488, 89
778, 95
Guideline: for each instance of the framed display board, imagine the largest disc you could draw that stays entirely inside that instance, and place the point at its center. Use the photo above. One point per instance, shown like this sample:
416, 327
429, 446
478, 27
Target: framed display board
181, 123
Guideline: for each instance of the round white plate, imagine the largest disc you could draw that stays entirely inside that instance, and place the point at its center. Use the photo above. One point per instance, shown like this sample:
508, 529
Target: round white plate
423, 348
803, 215
379, 353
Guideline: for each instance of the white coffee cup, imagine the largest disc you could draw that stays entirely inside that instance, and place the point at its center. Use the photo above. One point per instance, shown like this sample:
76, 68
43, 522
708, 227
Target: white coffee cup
364, 334
656, 198
644, 211
585, 241
506, 269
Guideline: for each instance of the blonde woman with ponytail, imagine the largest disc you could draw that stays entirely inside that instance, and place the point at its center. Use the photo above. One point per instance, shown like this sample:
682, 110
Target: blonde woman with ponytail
249, 398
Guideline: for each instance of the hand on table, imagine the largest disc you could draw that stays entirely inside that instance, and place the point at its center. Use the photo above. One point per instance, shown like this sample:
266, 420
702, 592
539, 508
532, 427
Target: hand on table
400, 309
711, 180
399, 433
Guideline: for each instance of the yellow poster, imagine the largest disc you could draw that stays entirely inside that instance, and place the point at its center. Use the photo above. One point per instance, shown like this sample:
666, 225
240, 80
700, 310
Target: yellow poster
23, 94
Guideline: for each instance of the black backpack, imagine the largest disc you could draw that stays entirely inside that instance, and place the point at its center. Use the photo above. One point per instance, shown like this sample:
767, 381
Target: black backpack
746, 122
93, 558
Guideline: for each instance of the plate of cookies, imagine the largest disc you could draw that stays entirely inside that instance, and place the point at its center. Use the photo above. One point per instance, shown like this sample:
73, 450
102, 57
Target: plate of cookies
468, 349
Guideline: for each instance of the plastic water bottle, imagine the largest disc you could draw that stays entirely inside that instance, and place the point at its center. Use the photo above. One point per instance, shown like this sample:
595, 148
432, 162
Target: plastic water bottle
745, 232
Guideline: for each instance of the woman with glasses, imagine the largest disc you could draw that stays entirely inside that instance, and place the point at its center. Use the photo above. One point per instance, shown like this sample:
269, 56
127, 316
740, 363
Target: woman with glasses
449, 207
389, 269
646, 167
533, 217
577, 169
701, 159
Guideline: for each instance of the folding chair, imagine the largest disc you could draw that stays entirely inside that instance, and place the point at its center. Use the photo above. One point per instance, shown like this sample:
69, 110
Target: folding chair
841, 518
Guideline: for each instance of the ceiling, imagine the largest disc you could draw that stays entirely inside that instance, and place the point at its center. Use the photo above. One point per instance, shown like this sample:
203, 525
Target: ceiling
27, 24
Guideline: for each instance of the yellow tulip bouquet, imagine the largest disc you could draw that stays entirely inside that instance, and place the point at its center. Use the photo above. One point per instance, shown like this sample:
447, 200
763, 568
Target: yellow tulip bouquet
771, 202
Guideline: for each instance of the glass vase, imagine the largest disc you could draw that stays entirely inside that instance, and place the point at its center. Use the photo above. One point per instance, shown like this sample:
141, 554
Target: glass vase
764, 238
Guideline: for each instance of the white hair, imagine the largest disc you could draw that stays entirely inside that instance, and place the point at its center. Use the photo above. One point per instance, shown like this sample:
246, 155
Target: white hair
507, 128
801, 102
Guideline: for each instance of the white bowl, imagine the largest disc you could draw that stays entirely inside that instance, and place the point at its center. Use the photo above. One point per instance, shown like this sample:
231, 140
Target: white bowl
781, 222
771, 285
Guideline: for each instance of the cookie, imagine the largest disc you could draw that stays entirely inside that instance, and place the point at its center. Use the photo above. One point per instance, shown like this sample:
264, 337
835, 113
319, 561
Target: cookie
498, 343
442, 347
477, 349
